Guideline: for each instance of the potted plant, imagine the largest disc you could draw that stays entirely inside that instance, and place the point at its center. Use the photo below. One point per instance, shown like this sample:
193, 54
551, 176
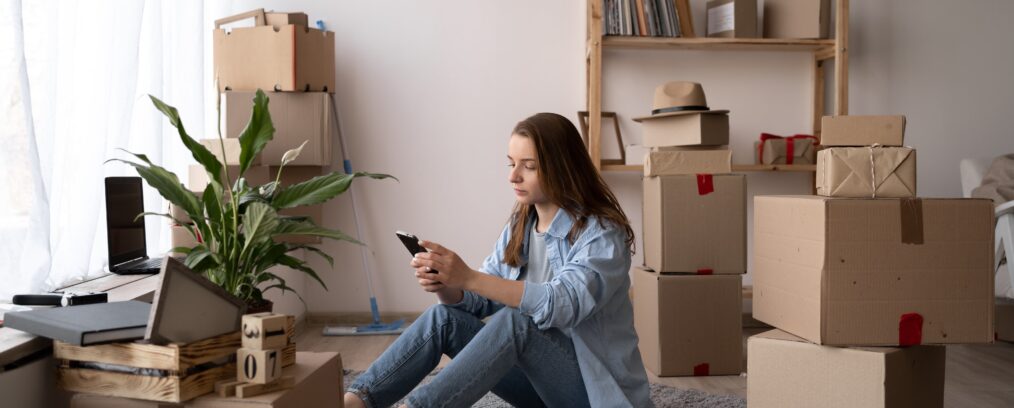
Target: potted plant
236, 224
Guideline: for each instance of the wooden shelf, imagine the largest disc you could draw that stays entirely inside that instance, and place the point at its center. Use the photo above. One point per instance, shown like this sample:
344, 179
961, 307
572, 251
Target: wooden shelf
740, 44
738, 168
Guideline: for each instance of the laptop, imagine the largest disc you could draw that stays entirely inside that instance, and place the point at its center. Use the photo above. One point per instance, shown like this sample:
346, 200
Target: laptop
124, 234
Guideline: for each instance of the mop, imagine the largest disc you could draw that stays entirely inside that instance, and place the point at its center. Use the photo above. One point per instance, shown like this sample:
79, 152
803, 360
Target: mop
377, 327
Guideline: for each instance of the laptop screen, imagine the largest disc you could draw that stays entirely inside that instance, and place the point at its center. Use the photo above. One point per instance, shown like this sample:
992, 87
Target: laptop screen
125, 236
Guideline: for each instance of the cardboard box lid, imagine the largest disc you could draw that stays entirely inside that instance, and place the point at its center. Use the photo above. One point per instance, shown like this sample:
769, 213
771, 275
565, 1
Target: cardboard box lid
846, 271
788, 371
676, 162
866, 172
862, 130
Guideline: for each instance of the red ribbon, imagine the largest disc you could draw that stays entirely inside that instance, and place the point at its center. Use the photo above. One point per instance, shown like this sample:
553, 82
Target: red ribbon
910, 329
705, 184
701, 370
790, 145
705, 271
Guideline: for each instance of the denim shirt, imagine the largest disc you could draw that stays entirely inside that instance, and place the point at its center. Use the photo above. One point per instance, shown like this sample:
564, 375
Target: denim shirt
587, 299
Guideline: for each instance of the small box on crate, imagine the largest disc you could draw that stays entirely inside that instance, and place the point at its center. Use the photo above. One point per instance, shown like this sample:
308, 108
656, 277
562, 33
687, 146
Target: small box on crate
263, 331
866, 172
731, 18
862, 130
773, 149
297, 117
794, 19
258, 366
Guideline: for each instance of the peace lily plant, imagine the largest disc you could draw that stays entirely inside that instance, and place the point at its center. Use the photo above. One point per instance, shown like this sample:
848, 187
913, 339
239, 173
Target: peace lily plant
235, 223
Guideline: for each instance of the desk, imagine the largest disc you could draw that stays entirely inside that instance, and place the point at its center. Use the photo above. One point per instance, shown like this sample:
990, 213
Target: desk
318, 384
17, 346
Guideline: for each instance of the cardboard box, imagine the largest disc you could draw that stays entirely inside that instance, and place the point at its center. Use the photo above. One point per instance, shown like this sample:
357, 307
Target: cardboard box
787, 371
277, 19
862, 130
297, 117
685, 231
808, 19
260, 175
872, 271
670, 163
775, 151
230, 156
293, 58
689, 325
885, 172
318, 384
686, 130
1004, 319
732, 18
178, 214
197, 177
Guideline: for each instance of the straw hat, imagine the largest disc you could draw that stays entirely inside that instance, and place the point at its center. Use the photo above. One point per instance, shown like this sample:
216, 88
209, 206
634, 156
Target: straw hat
679, 98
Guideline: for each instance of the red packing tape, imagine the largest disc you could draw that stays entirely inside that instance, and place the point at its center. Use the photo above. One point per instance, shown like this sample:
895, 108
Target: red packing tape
701, 370
705, 271
705, 184
910, 329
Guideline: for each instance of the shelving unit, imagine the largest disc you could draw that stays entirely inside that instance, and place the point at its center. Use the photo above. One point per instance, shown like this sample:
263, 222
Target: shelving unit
823, 51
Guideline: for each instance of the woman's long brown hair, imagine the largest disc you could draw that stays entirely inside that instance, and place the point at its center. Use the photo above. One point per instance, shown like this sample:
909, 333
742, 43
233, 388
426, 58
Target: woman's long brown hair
569, 180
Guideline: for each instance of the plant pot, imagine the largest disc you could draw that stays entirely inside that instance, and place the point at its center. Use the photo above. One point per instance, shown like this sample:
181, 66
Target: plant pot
259, 306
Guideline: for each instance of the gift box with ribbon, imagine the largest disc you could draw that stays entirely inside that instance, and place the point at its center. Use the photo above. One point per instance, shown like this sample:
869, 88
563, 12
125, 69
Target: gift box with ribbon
871, 172
797, 149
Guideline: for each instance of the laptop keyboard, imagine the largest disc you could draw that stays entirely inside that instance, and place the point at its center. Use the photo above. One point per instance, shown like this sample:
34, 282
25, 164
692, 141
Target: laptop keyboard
152, 263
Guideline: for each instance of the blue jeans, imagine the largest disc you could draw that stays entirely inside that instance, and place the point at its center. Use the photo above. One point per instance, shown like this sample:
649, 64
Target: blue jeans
509, 356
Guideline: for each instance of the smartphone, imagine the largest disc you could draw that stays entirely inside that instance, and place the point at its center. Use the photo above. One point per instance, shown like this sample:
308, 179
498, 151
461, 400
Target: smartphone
411, 243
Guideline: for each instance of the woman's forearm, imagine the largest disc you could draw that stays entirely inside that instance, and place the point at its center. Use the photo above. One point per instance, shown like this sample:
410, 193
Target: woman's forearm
450, 296
507, 292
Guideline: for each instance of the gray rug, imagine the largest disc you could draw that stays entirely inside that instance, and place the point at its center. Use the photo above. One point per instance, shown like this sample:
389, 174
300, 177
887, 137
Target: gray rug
663, 396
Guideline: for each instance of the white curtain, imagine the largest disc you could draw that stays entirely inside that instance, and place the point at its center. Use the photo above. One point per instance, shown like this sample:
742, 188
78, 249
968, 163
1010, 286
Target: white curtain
74, 80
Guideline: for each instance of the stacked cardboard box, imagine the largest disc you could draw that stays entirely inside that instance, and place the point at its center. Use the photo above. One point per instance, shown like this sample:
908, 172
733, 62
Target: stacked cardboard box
294, 65
847, 281
865, 158
688, 296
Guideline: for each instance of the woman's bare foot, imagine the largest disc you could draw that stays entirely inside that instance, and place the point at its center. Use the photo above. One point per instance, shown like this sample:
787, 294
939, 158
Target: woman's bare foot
353, 401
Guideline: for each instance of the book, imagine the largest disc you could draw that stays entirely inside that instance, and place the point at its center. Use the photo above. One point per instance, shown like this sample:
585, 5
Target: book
686, 21
85, 324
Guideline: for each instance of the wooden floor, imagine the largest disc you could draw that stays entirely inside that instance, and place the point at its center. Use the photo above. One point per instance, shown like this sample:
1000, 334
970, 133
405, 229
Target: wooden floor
977, 375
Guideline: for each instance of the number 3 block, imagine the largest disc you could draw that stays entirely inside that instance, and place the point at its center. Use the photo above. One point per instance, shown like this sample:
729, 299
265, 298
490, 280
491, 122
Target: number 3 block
258, 366
263, 331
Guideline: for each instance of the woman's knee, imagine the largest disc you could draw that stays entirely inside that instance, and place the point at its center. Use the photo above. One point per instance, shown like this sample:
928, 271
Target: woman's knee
441, 313
512, 317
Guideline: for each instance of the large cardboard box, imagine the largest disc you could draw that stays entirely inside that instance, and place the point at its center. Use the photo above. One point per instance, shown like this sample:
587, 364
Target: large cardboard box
677, 162
689, 325
291, 58
687, 130
1004, 319
689, 229
862, 130
875, 272
732, 18
796, 18
297, 117
318, 379
786, 371
886, 172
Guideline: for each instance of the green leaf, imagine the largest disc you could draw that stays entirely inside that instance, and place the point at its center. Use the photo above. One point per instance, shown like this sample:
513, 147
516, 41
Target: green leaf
318, 251
168, 185
299, 265
258, 132
318, 189
259, 221
292, 227
200, 153
200, 259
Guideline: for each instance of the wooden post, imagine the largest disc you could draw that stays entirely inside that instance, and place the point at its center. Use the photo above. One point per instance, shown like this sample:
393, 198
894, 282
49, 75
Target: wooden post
594, 62
841, 58
818, 95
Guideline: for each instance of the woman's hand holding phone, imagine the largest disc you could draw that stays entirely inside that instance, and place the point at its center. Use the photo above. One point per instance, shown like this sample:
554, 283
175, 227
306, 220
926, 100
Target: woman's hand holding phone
453, 272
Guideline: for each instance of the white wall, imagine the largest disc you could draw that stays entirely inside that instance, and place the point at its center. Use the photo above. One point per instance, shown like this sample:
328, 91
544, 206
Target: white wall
430, 90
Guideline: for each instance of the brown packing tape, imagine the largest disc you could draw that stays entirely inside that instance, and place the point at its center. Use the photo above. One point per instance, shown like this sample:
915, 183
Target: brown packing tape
911, 221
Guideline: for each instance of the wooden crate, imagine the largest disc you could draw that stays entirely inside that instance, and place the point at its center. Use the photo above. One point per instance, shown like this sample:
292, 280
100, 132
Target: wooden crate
175, 359
289, 351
